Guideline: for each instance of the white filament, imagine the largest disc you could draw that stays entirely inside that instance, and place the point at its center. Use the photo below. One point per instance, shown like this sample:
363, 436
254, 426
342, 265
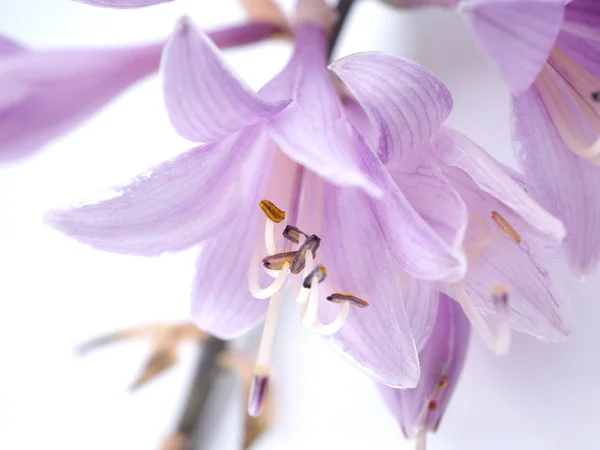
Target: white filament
268, 334
270, 237
310, 308
421, 442
327, 329
308, 268
276, 285
498, 342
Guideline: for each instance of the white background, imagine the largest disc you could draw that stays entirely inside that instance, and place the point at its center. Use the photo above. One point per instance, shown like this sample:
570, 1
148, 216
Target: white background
55, 293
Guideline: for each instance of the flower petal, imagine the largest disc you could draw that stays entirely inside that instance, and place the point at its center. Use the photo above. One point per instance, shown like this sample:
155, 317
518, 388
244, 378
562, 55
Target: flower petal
580, 35
221, 301
44, 94
123, 3
313, 130
175, 206
421, 304
8, 47
517, 35
564, 183
456, 150
535, 305
403, 100
205, 100
377, 339
442, 360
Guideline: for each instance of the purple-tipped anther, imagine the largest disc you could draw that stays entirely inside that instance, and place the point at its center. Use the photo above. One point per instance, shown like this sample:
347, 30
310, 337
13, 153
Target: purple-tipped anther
258, 393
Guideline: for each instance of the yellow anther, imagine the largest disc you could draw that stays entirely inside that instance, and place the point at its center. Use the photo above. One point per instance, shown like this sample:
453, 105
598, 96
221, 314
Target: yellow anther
506, 227
273, 212
352, 299
443, 383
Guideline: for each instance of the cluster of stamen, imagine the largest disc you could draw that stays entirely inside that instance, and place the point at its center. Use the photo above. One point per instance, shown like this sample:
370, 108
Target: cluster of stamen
280, 265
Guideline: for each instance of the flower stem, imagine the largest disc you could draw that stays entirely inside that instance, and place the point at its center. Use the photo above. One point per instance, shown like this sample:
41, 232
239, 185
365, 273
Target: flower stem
343, 8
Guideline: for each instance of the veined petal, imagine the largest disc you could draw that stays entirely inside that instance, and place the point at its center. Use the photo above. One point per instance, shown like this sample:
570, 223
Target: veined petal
175, 206
580, 35
377, 339
535, 305
44, 94
517, 35
123, 3
564, 183
566, 89
456, 150
421, 305
205, 100
442, 360
313, 130
403, 100
221, 301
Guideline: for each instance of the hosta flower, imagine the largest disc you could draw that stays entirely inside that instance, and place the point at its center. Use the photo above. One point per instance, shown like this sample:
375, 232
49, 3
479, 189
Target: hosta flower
468, 198
420, 410
547, 52
45, 93
332, 225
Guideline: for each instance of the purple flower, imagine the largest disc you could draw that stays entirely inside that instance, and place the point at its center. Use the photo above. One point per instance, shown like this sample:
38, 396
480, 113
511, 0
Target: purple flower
468, 198
420, 410
44, 94
305, 157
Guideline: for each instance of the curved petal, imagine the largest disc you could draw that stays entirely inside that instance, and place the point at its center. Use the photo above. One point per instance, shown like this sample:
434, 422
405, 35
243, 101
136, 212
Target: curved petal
205, 100
48, 93
377, 339
442, 360
221, 301
313, 130
456, 150
580, 35
8, 47
123, 3
517, 35
421, 304
564, 183
404, 101
176, 205
535, 305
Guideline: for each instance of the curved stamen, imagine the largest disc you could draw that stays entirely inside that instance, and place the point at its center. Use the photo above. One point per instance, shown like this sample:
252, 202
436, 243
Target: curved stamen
497, 342
310, 245
275, 286
304, 292
421, 442
310, 308
270, 237
335, 325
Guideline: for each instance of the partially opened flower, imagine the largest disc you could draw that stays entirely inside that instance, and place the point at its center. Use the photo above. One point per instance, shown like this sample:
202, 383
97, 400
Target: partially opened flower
324, 193
467, 197
45, 93
420, 410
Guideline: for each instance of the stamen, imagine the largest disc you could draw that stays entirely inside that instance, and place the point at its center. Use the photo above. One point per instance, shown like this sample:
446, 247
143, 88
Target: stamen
506, 227
498, 342
277, 261
327, 329
293, 234
421, 441
258, 393
275, 286
270, 237
273, 212
348, 298
500, 296
302, 296
310, 308
319, 272
261, 371
311, 243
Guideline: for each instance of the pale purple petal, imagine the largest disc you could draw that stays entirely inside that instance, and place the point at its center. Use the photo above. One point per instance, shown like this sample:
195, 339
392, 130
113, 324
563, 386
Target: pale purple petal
420, 302
313, 129
44, 94
580, 35
404, 101
377, 339
9, 47
442, 360
456, 150
518, 35
123, 3
536, 306
563, 182
432, 196
205, 100
177, 204
221, 301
